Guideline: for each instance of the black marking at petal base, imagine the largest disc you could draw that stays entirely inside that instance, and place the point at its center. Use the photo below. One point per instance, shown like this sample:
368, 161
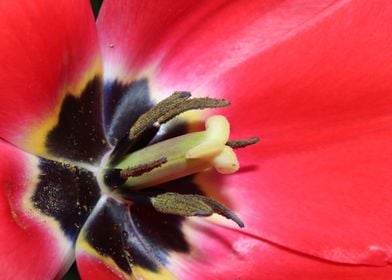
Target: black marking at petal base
170, 130
135, 235
79, 134
162, 231
66, 193
111, 234
124, 104
127, 145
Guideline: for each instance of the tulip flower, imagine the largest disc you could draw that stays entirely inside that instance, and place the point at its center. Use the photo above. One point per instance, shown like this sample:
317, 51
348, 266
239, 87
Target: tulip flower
104, 162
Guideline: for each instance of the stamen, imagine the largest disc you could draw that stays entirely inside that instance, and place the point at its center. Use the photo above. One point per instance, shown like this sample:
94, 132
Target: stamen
116, 177
242, 143
148, 124
142, 168
152, 116
187, 205
193, 104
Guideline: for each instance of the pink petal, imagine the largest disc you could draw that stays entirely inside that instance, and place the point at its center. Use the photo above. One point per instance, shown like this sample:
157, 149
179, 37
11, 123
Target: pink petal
136, 34
48, 49
328, 199
322, 184
319, 180
90, 267
314, 78
137, 37
220, 253
32, 246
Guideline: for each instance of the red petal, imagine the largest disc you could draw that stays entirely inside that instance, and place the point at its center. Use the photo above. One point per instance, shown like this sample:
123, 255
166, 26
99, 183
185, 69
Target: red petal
314, 77
32, 246
220, 252
322, 183
230, 36
330, 198
320, 101
48, 49
136, 34
90, 267
195, 40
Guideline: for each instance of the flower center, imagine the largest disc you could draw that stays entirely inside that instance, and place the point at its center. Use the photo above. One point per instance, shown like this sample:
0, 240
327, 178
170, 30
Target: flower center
132, 166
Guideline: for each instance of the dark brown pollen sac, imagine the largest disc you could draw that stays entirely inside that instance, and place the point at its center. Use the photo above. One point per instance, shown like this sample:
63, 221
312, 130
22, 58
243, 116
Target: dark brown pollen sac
114, 177
139, 170
242, 143
188, 205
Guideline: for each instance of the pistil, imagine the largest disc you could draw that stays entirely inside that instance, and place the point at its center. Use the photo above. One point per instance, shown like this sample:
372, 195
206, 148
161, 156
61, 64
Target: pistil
187, 154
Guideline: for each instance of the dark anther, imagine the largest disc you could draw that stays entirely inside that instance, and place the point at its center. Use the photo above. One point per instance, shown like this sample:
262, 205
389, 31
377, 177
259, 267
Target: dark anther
193, 104
116, 177
191, 205
152, 116
142, 168
235, 144
148, 124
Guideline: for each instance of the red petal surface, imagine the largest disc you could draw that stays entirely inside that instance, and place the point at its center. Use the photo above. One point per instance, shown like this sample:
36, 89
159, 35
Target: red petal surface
90, 267
48, 48
32, 246
136, 34
225, 254
321, 184
139, 35
314, 77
